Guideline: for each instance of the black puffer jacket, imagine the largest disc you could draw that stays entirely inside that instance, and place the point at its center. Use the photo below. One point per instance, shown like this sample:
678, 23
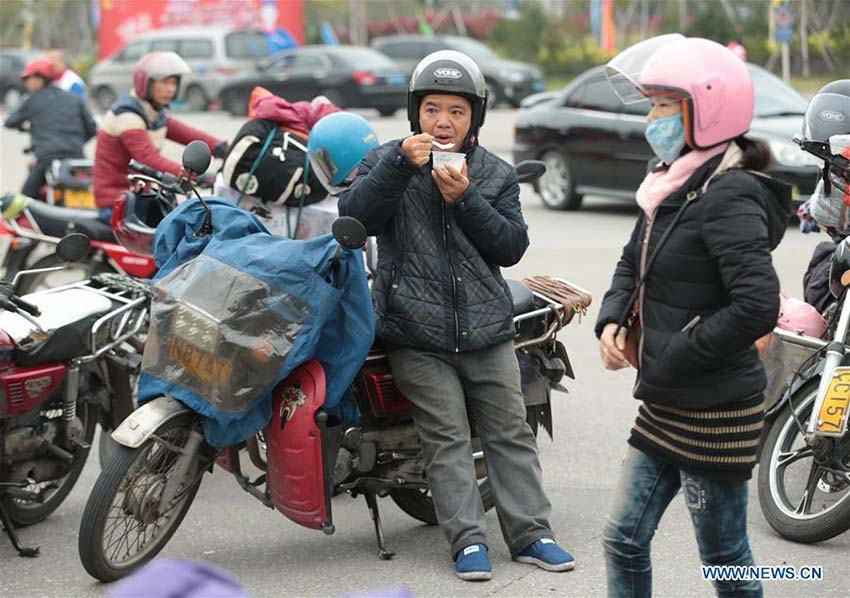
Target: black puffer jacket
438, 284
711, 293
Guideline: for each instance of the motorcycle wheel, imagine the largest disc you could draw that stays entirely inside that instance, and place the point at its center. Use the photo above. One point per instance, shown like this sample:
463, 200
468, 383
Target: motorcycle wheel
813, 505
122, 527
48, 280
23, 512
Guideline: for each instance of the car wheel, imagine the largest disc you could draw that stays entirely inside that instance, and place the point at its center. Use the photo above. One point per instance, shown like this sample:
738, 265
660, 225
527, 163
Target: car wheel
105, 96
197, 98
334, 97
387, 112
557, 187
12, 99
236, 103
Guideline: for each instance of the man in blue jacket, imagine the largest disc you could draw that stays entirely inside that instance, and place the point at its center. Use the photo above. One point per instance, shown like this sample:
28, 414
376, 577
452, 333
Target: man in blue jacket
444, 311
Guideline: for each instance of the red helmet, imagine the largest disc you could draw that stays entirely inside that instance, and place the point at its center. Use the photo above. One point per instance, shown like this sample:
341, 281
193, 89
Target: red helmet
156, 66
39, 67
135, 217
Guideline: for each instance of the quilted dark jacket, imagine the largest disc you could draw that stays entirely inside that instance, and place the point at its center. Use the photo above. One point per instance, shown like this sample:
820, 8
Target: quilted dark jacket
438, 284
711, 293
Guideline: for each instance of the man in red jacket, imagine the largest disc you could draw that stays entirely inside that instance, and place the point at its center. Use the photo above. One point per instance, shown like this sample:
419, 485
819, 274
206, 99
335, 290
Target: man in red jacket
137, 126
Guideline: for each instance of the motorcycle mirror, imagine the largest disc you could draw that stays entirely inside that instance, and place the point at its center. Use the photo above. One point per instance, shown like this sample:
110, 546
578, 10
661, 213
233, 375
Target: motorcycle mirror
530, 170
197, 157
349, 232
73, 247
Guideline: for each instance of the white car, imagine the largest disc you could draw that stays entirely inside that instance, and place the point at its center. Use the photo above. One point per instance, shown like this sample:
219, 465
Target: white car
215, 54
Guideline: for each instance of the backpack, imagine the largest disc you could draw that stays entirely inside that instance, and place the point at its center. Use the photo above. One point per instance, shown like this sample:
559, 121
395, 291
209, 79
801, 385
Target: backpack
267, 161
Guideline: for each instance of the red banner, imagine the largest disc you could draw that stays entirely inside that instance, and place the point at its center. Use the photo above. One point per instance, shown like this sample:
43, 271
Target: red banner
122, 20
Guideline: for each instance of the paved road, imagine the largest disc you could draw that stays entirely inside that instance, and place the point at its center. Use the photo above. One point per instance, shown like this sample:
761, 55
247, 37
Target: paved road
274, 557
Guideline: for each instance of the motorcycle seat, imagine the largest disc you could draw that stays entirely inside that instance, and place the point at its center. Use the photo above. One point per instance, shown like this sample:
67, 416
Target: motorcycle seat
523, 299
56, 221
66, 315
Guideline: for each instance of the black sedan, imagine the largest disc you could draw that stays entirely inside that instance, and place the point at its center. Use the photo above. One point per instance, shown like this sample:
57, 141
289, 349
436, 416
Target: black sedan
349, 76
594, 145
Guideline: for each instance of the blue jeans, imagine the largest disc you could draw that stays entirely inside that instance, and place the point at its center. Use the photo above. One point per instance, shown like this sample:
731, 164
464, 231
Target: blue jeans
718, 511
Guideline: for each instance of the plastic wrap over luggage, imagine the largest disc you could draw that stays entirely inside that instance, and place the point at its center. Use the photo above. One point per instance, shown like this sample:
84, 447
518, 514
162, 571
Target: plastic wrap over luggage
234, 313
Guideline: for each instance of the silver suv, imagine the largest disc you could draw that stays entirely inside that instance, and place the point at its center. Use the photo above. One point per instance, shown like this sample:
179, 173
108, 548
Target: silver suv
216, 54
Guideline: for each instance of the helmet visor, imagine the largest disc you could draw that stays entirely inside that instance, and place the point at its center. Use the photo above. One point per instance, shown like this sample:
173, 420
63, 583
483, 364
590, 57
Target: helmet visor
623, 71
326, 170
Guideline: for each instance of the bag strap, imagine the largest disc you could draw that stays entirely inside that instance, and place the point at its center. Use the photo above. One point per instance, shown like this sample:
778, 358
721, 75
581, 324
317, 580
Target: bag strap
692, 195
256, 163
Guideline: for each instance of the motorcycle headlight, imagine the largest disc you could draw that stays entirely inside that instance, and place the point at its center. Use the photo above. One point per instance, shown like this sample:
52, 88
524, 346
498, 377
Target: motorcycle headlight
787, 153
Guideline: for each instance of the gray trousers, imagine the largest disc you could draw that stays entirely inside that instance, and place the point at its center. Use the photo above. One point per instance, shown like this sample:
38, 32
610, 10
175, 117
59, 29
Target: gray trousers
437, 383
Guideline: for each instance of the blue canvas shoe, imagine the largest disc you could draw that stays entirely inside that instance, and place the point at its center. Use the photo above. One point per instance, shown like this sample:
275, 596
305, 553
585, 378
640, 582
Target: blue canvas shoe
473, 564
546, 554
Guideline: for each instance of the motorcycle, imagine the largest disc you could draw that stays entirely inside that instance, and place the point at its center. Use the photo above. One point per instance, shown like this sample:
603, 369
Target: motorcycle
804, 464
305, 455
63, 368
31, 223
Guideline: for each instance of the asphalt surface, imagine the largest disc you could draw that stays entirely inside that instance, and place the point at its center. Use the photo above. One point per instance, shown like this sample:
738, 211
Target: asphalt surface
274, 557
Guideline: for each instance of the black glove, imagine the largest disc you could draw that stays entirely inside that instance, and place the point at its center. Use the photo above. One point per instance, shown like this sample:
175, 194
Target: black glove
221, 149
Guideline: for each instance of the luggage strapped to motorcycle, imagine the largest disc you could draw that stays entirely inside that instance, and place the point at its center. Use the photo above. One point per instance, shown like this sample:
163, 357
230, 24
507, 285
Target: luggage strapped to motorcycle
303, 193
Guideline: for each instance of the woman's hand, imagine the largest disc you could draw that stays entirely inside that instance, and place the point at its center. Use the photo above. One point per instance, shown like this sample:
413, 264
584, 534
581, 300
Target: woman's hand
612, 348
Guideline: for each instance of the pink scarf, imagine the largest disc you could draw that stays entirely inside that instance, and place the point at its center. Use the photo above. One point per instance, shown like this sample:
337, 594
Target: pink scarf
658, 185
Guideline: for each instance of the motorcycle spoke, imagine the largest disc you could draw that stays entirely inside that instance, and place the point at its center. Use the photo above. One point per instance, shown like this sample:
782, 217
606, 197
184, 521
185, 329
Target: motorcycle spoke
787, 458
811, 487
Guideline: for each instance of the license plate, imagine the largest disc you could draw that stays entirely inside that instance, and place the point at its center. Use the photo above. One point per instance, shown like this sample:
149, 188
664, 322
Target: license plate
194, 326
538, 86
396, 79
832, 418
79, 198
200, 364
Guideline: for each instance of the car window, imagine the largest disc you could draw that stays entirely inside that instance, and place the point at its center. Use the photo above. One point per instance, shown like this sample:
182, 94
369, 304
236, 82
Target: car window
595, 93
132, 52
405, 50
472, 48
640, 108
246, 44
366, 58
308, 63
6, 65
164, 45
774, 97
196, 48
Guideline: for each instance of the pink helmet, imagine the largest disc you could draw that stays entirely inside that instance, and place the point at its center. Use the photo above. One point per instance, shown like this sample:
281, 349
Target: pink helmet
156, 66
715, 85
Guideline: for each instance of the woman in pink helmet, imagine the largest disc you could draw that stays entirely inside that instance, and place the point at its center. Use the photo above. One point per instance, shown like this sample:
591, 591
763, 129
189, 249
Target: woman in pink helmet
137, 126
692, 292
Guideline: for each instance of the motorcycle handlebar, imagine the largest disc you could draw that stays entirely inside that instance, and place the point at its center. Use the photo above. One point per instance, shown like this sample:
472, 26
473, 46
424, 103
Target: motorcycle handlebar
26, 306
166, 178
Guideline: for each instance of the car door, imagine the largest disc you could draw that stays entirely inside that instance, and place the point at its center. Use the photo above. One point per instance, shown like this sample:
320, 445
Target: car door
591, 133
298, 75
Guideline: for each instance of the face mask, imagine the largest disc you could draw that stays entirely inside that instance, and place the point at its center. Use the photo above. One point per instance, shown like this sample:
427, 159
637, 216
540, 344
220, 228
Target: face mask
666, 136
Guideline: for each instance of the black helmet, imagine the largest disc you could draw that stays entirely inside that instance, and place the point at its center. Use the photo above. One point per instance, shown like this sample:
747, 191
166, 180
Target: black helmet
828, 115
449, 72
